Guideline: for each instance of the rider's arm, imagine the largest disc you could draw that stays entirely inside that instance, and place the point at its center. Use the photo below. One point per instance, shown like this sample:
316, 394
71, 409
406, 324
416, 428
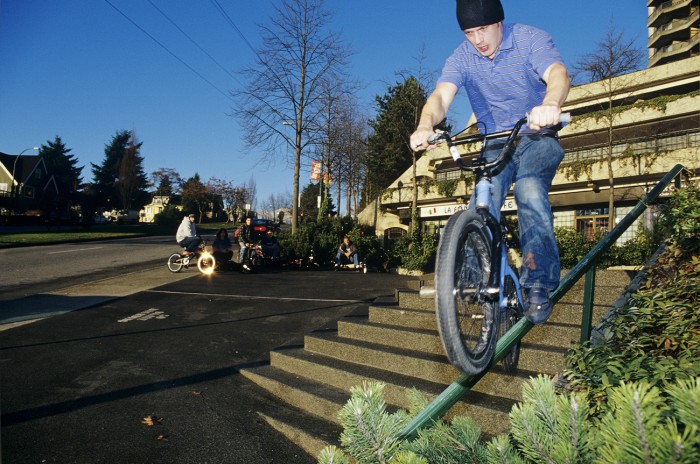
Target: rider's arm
558, 85
433, 113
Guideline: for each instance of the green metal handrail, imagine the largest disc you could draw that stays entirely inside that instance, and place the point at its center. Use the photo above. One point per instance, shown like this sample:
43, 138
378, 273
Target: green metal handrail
457, 389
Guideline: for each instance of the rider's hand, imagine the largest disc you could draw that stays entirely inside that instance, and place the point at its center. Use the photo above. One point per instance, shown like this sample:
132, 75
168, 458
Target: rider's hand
544, 116
419, 139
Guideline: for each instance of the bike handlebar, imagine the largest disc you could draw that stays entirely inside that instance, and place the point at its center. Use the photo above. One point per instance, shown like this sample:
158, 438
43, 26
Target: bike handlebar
440, 136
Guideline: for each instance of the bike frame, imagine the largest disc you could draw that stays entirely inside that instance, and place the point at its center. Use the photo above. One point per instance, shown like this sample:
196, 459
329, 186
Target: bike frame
488, 212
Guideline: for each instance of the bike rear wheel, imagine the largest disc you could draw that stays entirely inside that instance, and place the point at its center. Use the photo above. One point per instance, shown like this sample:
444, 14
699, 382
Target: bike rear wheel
509, 316
175, 262
467, 320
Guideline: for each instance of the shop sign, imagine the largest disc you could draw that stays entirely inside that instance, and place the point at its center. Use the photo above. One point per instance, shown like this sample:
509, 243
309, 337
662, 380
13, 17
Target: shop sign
449, 210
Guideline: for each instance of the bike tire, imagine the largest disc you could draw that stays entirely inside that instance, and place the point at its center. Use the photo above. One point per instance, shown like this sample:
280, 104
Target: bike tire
206, 263
509, 317
175, 262
467, 321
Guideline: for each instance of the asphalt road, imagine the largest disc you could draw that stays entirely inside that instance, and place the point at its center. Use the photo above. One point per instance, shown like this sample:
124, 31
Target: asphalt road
32, 270
78, 387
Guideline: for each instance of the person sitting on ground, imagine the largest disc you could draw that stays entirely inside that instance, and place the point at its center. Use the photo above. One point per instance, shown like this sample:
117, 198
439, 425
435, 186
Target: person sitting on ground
222, 248
348, 250
186, 235
270, 245
245, 237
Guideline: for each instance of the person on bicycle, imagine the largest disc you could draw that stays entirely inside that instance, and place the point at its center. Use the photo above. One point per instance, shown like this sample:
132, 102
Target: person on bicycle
245, 238
508, 70
186, 235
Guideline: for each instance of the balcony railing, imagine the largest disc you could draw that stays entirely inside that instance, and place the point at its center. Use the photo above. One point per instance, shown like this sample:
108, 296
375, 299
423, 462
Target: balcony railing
665, 8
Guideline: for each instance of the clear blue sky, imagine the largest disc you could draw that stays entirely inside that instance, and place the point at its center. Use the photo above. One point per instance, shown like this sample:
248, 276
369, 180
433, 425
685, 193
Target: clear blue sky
81, 70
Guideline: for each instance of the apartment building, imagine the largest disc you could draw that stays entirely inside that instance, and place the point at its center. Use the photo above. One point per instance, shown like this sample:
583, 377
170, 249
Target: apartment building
673, 30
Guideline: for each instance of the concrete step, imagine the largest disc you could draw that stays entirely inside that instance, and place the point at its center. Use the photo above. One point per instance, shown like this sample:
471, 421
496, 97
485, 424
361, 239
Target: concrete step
409, 363
534, 353
309, 413
396, 342
320, 372
563, 326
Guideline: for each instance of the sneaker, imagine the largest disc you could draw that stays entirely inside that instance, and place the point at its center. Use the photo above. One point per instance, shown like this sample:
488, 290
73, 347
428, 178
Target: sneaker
539, 305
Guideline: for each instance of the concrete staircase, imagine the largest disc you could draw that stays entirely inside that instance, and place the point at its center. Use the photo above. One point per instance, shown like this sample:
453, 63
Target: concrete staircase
396, 342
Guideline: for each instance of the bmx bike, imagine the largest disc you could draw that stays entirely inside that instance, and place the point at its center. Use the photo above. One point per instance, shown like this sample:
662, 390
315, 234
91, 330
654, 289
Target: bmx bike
478, 296
202, 258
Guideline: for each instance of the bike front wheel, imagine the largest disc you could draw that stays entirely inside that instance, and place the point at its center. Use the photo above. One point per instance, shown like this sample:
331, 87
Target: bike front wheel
467, 319
175, 262
206, 263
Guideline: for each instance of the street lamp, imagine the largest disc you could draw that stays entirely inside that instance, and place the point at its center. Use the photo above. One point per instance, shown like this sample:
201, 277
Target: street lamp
15, 184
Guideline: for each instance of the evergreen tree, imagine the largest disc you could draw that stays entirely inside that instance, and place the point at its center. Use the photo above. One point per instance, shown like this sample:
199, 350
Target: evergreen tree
167, 181
132, 181
390, 152
106, 174
64, 168
308, 203
119, 182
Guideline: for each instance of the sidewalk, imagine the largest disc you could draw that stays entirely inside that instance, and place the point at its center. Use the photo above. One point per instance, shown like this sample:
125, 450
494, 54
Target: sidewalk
29, 309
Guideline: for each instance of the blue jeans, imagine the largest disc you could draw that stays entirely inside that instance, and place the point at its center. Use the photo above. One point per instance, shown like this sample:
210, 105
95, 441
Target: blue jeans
190, 243
532, 168
243, 256
355, 258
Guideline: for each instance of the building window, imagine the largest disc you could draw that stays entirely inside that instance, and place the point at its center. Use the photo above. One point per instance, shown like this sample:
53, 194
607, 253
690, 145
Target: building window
391, 235
447, 175
592, 221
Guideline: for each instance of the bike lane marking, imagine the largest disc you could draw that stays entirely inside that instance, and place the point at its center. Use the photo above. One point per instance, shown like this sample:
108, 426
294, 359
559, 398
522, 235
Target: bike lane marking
150, 313
73, 250
253, 297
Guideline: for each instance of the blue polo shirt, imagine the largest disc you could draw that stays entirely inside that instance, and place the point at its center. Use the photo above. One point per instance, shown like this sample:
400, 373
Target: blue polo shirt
502, 90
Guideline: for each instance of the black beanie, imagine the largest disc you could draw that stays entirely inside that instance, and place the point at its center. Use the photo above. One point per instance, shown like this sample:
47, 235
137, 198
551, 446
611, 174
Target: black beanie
475, 13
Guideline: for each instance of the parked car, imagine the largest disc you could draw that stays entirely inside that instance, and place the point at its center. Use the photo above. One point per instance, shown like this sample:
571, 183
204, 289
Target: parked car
122, 216
260, 227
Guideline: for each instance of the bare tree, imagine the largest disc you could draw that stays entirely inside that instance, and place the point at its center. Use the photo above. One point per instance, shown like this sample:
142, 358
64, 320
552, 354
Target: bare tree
166, 180
349, 151
299, 55
251, 190
614, 56
232, 197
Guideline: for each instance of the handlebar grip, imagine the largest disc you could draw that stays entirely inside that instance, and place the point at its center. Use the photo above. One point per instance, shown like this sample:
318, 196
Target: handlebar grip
564, 118
437, 137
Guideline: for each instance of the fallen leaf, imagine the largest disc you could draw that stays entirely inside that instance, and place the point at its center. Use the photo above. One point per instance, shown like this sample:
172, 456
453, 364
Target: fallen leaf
161, 437
151, 420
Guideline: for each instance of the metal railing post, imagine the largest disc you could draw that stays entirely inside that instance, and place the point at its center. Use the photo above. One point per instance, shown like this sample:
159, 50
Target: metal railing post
588, 295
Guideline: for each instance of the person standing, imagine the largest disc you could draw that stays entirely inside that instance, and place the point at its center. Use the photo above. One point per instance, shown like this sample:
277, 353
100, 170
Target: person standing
245, 239
508, 70
186, 235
